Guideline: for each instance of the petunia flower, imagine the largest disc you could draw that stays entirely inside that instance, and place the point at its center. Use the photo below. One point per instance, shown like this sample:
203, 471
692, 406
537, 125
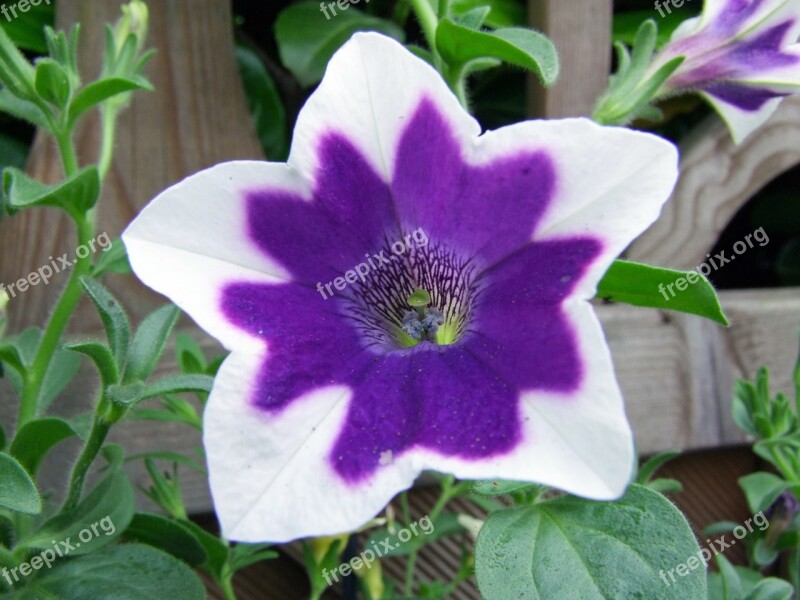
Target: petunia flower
405, 294
741, 55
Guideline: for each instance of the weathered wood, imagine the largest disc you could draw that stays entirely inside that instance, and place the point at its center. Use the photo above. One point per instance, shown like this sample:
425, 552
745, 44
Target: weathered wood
677, 371
196, 117
581, 31
717, 179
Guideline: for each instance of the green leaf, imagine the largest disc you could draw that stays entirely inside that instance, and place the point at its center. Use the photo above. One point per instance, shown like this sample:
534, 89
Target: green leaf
190, 356
99, 519
63, 367
149, 343
126, 572
26, 344
474, 18
626, 24
745, 405
653, 464
22, 109
265, 102
502, 13
76, 195
9, 354
52, 83
653, 287
173, 457
762, 489
13, 153
499, 487
718, 585
16, 72
102, 358
113, 260
445, 525
576, 548
163, 416
216, 550
731, 583
99, 91
178, 383
307, 41
518, 46
771, 588
114, 319
665, 486
244, 555
762, 554
17, 490
36, 439
126, 395
167, 535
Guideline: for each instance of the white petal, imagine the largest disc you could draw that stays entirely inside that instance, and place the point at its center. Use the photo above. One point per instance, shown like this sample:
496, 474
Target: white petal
742, 123
353, 98
270, 475
191, 241
611, 182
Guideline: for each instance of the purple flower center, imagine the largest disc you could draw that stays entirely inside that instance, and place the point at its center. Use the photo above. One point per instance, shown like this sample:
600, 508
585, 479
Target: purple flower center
379, 307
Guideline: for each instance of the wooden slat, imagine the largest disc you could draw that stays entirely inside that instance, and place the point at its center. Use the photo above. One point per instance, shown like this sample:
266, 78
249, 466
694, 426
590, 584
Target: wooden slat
581, 31
677, 371
717, 179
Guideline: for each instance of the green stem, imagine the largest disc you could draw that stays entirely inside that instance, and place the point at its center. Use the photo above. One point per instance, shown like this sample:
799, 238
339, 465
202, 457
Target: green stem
411, 565
55, 329
67, 150
457, 80
109, 120
787, 472
449, 491
427, 20
100, 429
226, 585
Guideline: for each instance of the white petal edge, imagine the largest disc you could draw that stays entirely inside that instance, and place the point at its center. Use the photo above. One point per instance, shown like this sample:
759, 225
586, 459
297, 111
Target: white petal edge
742, 123
356, 79
191, 240
611, 182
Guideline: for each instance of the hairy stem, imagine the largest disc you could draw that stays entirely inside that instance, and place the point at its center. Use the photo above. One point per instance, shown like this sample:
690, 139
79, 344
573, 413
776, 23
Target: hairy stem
100, 429
55, 328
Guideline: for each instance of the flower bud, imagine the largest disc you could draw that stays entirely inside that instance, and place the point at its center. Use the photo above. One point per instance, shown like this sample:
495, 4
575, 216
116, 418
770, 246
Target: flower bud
134, 20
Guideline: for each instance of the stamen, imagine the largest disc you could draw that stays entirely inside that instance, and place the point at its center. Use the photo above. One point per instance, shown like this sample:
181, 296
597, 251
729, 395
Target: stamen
432, 281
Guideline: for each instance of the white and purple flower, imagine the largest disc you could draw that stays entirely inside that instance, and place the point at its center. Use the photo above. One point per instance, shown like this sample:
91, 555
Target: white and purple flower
741, 55
327, 408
